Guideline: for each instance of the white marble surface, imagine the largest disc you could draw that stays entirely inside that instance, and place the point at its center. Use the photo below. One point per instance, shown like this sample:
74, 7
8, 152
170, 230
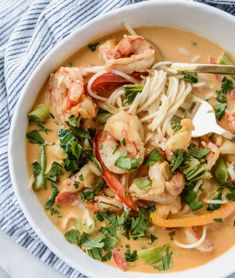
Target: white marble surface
16, 262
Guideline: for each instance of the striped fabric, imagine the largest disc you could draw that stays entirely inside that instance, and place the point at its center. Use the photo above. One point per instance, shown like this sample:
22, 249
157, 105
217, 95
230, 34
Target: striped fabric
28, 31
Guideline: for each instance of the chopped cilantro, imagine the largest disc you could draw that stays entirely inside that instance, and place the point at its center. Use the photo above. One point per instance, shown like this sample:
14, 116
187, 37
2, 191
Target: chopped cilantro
190, 77
54, 172
219, 109
93, 46
90, 195
197, 152
152, 238
34, 137
143, 183
131, 256
218, 220
176, 126
215, 206
131, 91
102, 115
42, 128
127, 163
153, 157
166, 260
177, 159
54, 192
171, 235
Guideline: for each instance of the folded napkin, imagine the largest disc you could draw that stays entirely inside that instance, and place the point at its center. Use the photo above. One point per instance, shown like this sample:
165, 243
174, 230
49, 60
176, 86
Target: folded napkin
28, 31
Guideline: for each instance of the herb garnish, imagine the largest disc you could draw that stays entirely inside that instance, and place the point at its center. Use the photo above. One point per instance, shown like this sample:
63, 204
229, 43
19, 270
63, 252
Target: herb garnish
102, 116
171, 235
190, 77
220, 106
34, 137
215, 206
176, 126
198, 152
93, 46
127, 163
131, 256
190, 198
143, 183
153, 157
90, 195
131, 91
155, 255
55, 171
177, 159
54, 192
218, 220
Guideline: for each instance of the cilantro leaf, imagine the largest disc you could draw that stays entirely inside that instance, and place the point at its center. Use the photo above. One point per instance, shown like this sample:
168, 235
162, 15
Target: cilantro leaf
131, 91
143, 183
131, 256
190, 77
90, 195
226, 87
176, 126
215, 206
54, 192
54, 172
73, 236
177, 159
34, 137
153, 157
219, 110
102, 116
166, 260
127, 163
93, 46
197, 152
36, 168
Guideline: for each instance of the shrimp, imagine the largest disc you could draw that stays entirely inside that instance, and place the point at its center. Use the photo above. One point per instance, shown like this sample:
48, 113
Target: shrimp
165, 187
86, 177
213, 155
231, 110
66, 95
113, 204
131, 53
122, 138
182, 138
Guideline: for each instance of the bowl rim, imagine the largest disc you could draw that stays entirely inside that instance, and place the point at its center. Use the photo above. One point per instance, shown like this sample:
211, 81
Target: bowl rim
13, 127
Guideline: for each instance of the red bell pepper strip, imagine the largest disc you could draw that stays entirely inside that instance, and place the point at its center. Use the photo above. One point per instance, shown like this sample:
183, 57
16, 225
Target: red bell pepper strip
111, 178
119, 189
105, 84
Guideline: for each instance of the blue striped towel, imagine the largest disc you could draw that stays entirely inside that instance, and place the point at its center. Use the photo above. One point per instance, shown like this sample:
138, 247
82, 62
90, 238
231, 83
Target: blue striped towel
28, 31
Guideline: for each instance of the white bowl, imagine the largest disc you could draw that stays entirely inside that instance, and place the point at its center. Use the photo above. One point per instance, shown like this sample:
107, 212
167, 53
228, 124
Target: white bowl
203, 20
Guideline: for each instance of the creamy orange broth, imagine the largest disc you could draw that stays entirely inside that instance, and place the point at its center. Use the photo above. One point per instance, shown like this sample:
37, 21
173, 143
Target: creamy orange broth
168, 40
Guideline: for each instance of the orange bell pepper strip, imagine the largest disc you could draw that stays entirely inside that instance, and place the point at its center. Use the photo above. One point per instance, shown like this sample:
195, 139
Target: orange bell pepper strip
194, 220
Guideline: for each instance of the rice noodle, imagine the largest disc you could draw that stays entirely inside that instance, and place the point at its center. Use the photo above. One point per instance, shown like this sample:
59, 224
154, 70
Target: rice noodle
124, 75
199, 84
94, 69
129, 29
198, 185
215, 202
192, 245
90, 82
